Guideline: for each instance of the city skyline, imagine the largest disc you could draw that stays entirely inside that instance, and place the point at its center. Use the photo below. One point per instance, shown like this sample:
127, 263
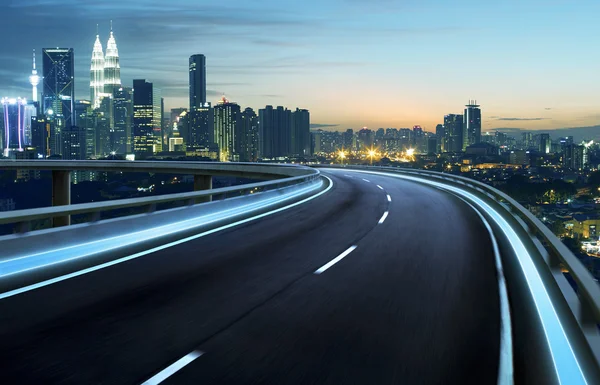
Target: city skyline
521, 67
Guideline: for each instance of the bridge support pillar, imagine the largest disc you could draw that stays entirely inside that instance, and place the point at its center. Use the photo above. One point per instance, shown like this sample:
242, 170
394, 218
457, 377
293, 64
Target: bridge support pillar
61, 195
203, 182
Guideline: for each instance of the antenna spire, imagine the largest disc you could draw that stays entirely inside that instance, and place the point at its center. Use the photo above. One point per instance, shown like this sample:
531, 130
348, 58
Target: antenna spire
111, 26
97, 30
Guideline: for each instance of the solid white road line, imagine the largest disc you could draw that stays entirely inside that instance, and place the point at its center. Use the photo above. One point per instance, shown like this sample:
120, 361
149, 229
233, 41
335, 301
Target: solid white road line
336, 260
173, 368
366, 180
381, 188
384, 217
389, 198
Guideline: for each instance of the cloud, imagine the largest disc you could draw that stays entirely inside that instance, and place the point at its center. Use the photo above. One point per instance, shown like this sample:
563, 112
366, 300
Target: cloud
320, 125
547, 108
522, 119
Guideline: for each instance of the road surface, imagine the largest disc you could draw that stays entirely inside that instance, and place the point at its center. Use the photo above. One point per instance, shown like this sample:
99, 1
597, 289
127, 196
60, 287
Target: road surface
379, 281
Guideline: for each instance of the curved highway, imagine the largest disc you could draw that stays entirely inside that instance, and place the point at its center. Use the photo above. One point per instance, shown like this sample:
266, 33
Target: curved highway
379, 281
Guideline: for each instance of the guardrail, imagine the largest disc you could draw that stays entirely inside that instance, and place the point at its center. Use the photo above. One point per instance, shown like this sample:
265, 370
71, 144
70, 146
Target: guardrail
281, 175
578, 307
33, 258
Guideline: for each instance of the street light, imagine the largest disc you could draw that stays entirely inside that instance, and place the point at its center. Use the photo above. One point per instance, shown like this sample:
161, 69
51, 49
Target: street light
342, 155
372, 154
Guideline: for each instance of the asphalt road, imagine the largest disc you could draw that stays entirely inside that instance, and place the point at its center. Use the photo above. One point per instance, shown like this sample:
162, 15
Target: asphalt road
416, 302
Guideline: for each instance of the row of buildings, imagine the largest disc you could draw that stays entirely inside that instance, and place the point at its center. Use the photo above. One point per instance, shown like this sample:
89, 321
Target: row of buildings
131, 120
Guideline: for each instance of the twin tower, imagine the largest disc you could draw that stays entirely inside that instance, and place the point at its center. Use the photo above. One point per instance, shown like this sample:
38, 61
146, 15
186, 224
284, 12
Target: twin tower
105, 72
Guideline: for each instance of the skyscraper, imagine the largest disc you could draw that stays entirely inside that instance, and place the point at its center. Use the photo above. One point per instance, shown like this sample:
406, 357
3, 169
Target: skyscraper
282, 118
157, 119
143, 118
201, 132
300, 133
112, 67
13, 112
34, 80
123, 115
266, 132
248, 143
73, 143
227, 122
419, 140
97, 74
197, 68
58, 93
545, 143
85, 119
440, 134
471, 125
453, 140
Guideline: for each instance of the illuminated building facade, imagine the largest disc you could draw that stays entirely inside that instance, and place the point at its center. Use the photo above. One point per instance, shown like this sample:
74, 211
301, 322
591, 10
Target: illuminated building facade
15, 114
471, 124
97, 74
147, 119
34, 80
453, 131
227, 122
112, 67
123, 115
200, 126
58, 93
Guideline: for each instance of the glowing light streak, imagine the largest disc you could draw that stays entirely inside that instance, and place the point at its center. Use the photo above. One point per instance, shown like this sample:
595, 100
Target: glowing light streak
103, 242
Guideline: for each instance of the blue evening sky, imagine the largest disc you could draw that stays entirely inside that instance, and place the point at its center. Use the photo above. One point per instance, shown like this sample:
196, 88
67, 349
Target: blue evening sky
378, 63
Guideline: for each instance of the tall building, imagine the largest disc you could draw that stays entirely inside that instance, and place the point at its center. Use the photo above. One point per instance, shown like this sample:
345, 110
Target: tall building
405, 140
275, 132
197, 68
227, 122
157, 119
40, 132
58, 93
440, 134
123, 117
300, 145
453, 131
366, 139
471, 125
282, 118
97, 74
73, 145
104, 127
13, 124
112, 67
143, 118
545, 143
201, 131
573, 157
85, 119
248, 143
34, 80
266, 132
419, 140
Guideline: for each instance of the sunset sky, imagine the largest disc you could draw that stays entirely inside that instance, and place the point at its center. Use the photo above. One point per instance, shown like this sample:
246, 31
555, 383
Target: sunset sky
377, 63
